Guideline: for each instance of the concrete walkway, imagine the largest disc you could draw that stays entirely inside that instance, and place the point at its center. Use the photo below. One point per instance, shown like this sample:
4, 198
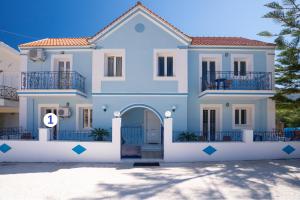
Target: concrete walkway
272, 179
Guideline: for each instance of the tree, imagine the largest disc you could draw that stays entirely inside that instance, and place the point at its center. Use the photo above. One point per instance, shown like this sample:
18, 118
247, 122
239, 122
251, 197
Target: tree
287, 68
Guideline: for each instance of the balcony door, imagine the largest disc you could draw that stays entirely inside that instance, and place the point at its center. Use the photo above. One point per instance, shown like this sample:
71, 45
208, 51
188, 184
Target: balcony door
64, 76
208, 74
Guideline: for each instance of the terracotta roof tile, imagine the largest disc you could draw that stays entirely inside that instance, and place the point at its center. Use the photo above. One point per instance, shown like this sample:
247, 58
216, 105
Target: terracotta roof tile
228, 41
209, 41
58, 42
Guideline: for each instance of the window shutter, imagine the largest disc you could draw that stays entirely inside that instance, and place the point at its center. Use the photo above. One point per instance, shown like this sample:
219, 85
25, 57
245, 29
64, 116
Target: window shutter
236, 68
237, 116
161, 66
118, 66
243, 116
169, 66
243, 68
110, 66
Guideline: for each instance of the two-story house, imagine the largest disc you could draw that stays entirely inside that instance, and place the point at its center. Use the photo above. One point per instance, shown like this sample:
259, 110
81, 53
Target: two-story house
9, 83
142, 66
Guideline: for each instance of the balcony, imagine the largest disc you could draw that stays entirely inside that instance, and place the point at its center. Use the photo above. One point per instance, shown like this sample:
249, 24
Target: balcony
52, 80
8, 93
229, 82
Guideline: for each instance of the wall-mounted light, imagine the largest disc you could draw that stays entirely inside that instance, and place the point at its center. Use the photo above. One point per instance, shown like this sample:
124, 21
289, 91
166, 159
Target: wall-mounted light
117, 114
226, 54
62, 52
68, 104
104, 108
174, 108
227, 104
168, 114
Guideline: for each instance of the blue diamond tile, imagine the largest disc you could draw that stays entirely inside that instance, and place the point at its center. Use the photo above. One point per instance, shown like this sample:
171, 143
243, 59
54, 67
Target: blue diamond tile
288, 149
209, 150
79, 149
4, 148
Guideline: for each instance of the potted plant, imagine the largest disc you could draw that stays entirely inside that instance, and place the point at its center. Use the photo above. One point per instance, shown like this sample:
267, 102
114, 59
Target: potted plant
187, 136
99, 134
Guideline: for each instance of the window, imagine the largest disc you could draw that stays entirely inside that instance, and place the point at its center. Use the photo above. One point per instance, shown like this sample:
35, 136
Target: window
165, 66
87, 118
242, 116
240, 67
113, 66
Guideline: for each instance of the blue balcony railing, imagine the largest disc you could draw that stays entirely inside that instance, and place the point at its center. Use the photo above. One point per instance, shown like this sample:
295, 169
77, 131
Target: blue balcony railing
17, 133
52, 80
229, 80
204, 136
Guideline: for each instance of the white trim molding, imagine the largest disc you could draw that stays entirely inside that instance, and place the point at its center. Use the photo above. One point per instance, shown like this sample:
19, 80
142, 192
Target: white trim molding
250, 114
78, 106
140, 10
64, 57
54, 106
271, 110
50, 92
219, 115
209, 57
180, 67
248, 58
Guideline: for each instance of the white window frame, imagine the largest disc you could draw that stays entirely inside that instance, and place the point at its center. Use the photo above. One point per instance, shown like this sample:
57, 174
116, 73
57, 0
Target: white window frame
209, 57
55, 58
219, 115
248, 58
78, 107
115, 53
164, 53
50, 106
250, 109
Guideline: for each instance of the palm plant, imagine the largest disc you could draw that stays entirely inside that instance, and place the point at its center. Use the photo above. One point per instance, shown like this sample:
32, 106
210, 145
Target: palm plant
188, 137
99, 134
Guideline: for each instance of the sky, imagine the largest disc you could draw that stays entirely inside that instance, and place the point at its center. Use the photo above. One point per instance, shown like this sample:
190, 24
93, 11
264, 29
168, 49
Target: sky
27, 20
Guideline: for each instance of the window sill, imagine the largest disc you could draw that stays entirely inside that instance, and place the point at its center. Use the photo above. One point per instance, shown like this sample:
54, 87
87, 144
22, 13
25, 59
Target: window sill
242, 127
113, 78
165, 78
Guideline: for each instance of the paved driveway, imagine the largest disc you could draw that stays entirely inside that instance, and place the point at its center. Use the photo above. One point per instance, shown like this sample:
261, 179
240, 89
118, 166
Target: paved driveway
272, 179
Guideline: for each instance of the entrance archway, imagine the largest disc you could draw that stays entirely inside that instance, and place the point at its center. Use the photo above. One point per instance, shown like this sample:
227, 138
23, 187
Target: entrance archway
141, 132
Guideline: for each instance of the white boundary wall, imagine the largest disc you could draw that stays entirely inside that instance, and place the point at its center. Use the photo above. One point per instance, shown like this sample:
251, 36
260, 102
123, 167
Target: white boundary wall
225, 151
45, 150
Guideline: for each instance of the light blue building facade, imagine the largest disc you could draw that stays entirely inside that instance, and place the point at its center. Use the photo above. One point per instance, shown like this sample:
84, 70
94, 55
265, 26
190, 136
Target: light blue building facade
142, 66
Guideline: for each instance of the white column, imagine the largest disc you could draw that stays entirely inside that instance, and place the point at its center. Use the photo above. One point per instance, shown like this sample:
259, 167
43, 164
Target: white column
270, 115
248, 136
116, 136
168, 137
23, 112
44, 134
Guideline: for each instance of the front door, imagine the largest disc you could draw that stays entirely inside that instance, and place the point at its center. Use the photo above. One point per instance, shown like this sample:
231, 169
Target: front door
209, 123
45, 111
152, 128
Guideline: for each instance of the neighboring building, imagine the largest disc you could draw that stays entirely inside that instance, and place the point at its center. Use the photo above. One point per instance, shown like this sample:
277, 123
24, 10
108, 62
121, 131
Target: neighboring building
9, 83
142, 66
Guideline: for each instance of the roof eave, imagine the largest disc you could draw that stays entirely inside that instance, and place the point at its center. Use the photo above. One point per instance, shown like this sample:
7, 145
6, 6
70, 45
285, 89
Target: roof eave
56, 47
234, 46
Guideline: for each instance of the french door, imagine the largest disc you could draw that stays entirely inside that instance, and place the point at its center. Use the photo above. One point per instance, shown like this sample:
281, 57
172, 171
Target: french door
208, 74
209, 123
64, 76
